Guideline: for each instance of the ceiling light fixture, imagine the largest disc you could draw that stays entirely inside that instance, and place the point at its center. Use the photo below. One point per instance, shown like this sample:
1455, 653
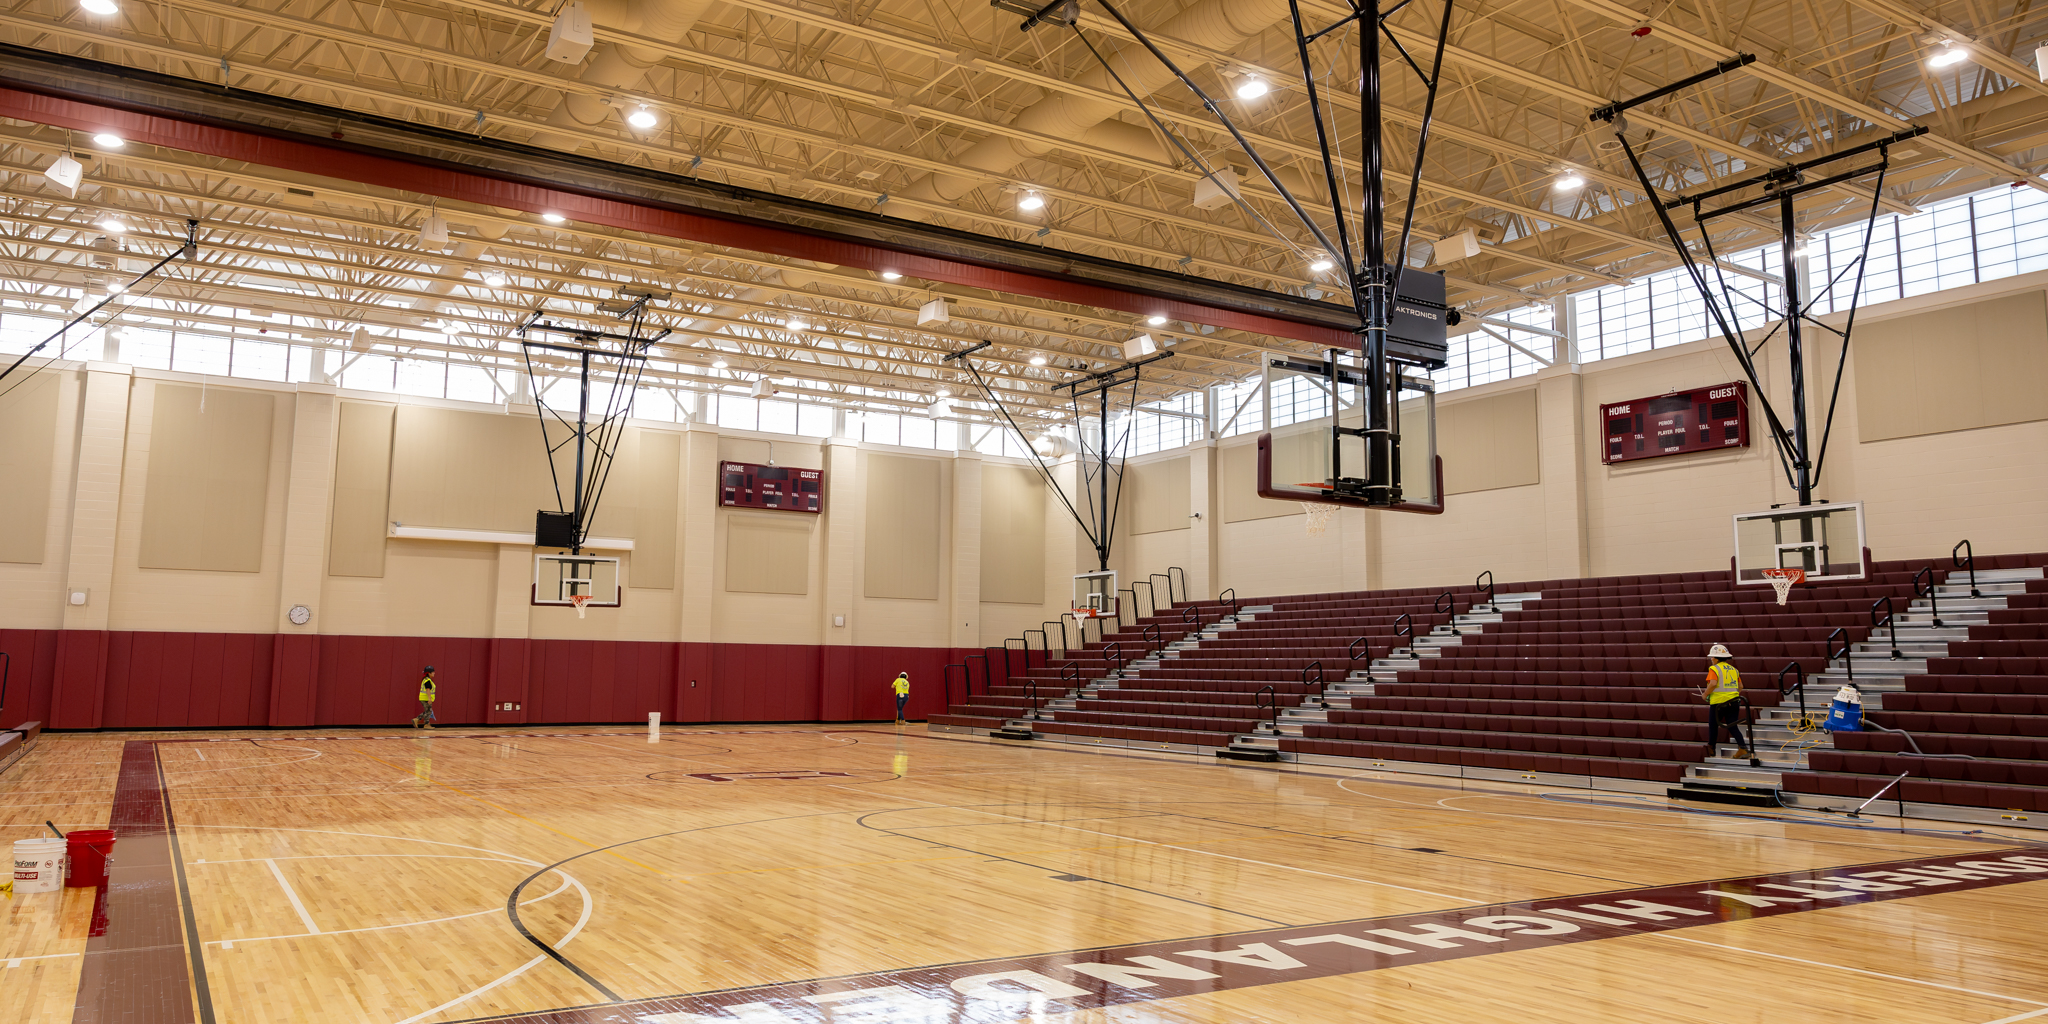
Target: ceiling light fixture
890, 275
718, 364
1155, 320
1038, 360
1947, 55
796, 324
100, 7
1251, 87
494, 280
1031, 201
1570, 180
642, 118
1322, 263
112, 226
553, 218
945, 392
108, 140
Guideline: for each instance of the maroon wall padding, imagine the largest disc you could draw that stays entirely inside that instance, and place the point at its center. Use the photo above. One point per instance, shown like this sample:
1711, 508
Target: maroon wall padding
90, 679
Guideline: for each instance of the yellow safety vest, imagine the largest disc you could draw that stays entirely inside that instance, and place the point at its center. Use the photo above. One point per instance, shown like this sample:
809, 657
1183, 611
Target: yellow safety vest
902, 685
1723, 683
427, 689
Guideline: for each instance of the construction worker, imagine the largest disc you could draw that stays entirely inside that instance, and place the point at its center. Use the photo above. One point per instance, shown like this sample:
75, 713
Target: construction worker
426, 716
902, 688
1723, 692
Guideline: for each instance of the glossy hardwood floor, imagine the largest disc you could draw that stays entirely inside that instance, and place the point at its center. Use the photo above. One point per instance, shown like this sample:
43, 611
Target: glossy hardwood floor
365, 878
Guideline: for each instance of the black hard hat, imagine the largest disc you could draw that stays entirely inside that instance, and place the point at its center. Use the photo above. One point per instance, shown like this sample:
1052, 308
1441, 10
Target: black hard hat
430, 668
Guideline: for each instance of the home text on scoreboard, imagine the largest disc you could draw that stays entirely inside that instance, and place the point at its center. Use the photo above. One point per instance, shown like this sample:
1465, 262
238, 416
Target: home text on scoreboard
1703, 419
747, 485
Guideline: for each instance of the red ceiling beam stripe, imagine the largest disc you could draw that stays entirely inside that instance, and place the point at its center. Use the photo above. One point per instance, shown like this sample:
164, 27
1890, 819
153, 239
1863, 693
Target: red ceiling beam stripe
158, 128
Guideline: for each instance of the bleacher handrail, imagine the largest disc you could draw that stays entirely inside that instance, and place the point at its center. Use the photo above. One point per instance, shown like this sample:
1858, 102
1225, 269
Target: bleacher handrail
1267, 698
1062, 624
1890, 620
1800, 671
1352, 650
1170, 570
1114, 651
1044, 645
1008, 673
1933, 599
1445, 604
1229, 597
1133, 591
1966, 559
1321, 679
1155, 639
1488, 588
987, 683
1404, 625
1031, 696
946, 683
1848, 663
1074, 667
1151, 597
1192, 614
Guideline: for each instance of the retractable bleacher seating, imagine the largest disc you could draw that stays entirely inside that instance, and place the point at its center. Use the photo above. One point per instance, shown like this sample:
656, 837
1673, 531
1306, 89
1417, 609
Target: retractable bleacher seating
1581, 678
1204, 695
1978, 715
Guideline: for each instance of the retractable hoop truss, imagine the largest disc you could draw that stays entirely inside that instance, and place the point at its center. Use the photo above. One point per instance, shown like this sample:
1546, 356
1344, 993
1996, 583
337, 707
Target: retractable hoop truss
596, 443
189, 250
1781, 186
1099, 524
1372, 279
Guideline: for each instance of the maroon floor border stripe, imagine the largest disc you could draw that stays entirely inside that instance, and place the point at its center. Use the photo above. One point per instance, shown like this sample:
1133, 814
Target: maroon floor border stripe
1000, 991
135, 969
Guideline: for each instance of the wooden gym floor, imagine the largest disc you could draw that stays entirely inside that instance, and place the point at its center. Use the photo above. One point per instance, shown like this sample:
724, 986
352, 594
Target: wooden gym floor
871, 874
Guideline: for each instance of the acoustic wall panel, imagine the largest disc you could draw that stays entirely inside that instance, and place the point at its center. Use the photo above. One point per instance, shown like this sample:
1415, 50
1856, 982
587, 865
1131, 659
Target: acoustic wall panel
1980, 365
28, 445
768, 553
362, 490
657, 478
470, 470
1158, 493
1012, 535
903, 515
1488, 443
208, 483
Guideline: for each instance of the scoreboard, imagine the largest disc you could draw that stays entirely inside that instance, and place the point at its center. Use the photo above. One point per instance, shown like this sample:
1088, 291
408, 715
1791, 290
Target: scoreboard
747, 485
1703, 419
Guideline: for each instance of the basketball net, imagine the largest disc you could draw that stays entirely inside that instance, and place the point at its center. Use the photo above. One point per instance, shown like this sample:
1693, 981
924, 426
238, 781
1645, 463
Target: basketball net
1783, 580
579, 600
1318, 517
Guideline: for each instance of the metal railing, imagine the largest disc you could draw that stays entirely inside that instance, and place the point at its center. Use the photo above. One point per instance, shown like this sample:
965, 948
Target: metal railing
1928, 592
1890, 620
1354, 653
1848, 663
1155, 640
1447, 605
1009, 671
1071, 682
1192, 616
1321, 680
966, 684
1170, 570
1151, 598
1031, 697
1965, 557
1229, 597
1800, 671
1113, 651
1266, 699
1488, 588
1404, 625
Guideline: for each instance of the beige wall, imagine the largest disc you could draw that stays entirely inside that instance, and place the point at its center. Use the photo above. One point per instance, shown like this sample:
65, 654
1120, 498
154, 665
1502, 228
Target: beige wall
923, 548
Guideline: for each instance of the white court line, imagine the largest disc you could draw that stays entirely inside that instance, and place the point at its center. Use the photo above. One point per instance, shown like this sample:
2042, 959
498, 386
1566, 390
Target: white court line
1873, 974
311, 928
15, 961
2029, 1015
582, 920
230, 943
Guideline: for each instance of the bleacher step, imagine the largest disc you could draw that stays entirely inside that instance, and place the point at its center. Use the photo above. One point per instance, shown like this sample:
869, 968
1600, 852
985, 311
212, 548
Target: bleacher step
1719, 793
1016, 729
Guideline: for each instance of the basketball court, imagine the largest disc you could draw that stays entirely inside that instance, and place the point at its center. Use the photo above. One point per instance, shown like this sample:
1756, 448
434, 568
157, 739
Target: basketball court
1124, 511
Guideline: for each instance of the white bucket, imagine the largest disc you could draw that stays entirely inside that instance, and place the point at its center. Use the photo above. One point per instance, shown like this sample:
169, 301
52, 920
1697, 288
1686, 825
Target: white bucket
38, 865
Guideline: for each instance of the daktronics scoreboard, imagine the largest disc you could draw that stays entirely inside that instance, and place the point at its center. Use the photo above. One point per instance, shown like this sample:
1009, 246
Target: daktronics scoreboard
746, 485
1704, 419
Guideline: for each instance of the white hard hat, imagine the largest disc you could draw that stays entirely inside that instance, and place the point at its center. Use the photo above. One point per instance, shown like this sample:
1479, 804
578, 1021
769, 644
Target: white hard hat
1719, 651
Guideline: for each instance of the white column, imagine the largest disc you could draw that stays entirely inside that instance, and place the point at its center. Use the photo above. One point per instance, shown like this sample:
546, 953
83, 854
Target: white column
697, 518
1205, 522
965, 625
1561, 468
308, 503
96, 505
845, 532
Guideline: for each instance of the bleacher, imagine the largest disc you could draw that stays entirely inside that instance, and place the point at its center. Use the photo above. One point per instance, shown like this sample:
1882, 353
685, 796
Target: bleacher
1568, 679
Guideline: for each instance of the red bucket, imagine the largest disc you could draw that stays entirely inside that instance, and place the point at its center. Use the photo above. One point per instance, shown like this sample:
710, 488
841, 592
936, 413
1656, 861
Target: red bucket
89, 849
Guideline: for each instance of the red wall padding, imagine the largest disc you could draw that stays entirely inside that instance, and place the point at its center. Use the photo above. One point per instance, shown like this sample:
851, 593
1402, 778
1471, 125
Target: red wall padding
85, 679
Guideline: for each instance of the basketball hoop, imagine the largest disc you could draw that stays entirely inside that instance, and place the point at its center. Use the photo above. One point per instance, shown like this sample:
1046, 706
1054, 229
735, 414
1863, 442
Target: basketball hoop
579, 600
1318, 512
1783, 580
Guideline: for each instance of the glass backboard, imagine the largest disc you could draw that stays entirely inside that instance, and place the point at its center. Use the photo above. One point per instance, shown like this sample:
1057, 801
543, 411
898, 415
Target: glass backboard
1824, 541
1295, 461
1095, 595
560, 579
